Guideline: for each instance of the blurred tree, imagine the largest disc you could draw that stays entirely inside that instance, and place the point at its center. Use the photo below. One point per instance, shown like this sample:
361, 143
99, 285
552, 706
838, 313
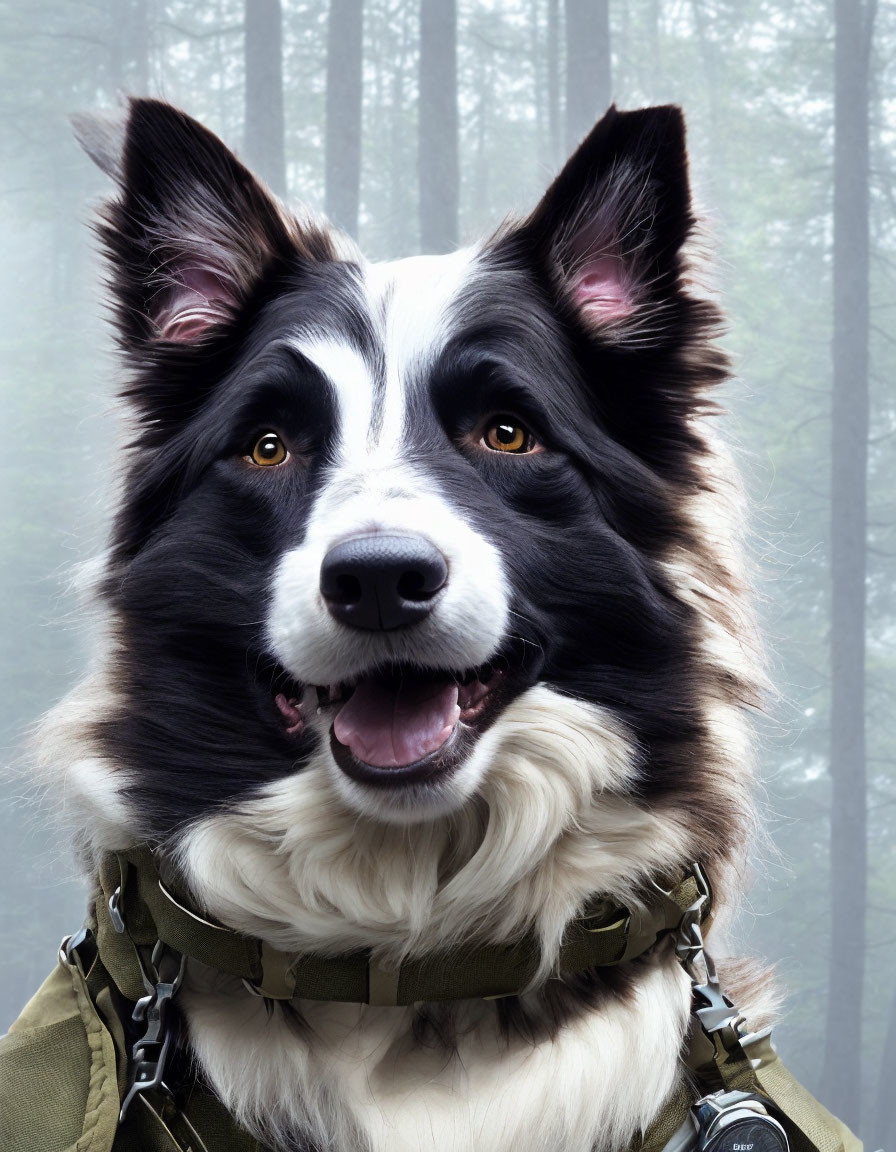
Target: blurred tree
342, 147
842, 1075
263, 128
130, 45
438, 157
883, 1125
399, 190
552, 49
588, 67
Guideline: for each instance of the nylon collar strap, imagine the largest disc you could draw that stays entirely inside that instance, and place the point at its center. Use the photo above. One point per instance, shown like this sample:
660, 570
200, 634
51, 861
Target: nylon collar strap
134, 910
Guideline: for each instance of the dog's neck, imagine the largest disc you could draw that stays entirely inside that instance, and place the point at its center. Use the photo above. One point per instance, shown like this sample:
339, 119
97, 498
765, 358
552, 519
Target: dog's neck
365, 1079
135, 907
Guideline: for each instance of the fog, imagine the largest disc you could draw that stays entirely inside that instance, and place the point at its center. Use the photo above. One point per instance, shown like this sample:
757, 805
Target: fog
409, 144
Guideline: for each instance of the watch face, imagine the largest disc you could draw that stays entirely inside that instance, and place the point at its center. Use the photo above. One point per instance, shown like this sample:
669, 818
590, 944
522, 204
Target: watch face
750, 1134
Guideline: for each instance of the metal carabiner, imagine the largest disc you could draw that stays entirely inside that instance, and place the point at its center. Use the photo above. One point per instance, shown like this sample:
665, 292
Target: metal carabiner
150, 1053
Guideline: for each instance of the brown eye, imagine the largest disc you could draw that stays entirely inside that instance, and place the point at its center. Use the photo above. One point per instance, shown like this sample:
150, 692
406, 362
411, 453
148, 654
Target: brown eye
269, 450
505, 434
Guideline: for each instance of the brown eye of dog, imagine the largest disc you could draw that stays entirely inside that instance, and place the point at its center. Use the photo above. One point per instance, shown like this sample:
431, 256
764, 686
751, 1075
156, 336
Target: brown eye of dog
269, 450
504, 434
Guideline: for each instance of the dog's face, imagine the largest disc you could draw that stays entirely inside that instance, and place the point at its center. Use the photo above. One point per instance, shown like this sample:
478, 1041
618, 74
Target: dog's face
369, 506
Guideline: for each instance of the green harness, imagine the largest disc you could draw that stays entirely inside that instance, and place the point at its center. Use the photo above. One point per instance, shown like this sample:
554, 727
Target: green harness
91, 1065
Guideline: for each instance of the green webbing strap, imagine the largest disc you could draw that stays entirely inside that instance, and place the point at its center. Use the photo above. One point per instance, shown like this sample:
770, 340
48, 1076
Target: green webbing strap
197, 1123
145, 910
669, 1119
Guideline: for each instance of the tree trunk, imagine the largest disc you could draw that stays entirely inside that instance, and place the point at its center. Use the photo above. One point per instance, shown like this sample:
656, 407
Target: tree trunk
129, 25
588, 76
842, 1076
263, 138
484, 100
139, 20
654, 82
538, 60
718, 160
883, 1134
400, 210
342, 160
553, 82
438, 160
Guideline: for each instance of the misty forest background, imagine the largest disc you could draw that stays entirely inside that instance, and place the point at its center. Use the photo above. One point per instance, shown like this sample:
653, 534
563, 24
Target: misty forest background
417, 124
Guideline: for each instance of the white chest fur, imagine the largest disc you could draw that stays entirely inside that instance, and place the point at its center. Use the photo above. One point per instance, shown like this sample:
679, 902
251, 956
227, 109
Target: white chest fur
355, 1080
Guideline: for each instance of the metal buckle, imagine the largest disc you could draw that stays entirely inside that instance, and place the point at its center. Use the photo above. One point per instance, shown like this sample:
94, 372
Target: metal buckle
679, 924
71, 944
115, 911
687, 933
715, 1012
150, 1053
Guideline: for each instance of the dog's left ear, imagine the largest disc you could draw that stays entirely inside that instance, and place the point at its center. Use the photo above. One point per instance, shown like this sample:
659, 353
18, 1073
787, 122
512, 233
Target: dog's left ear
609, 229
192, 231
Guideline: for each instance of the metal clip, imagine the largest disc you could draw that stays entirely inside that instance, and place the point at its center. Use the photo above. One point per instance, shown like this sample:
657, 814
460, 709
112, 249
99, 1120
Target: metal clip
689, 936
715, 1012
71, 944
115, 911
150, 1052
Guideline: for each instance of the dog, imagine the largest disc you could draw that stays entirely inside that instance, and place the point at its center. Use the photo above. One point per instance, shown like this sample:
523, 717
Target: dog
426, 623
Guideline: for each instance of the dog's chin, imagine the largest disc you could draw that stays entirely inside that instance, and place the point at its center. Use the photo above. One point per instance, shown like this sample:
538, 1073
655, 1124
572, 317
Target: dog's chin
429, 789
425, 789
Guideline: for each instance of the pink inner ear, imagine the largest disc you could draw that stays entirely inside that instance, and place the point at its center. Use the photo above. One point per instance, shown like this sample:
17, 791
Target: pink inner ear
601, 290
197, 300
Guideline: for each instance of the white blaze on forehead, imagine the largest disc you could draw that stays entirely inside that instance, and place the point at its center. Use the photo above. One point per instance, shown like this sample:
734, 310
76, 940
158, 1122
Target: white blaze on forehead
411, 301
351, 378
410, 306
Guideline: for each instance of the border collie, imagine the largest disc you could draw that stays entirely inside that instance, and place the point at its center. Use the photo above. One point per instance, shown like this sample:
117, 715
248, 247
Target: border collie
427, 623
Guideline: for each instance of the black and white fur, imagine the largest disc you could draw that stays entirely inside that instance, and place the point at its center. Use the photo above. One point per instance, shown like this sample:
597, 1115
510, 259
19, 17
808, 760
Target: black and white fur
602, 576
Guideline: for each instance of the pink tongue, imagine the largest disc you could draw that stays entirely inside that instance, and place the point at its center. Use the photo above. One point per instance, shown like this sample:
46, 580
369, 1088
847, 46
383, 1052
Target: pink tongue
390, 727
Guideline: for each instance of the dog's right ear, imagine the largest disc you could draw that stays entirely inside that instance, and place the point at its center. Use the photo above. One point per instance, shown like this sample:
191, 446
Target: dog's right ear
192, 231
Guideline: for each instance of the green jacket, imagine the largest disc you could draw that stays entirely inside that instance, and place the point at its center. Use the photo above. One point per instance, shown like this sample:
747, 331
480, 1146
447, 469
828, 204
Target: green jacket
62, 1079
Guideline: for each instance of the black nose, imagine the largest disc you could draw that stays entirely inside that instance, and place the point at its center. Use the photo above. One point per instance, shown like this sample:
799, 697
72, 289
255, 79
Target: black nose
380, 582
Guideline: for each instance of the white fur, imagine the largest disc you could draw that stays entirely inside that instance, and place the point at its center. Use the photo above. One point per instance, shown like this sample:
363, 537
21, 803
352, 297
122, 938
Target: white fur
84, 788
550, 825
357, 1082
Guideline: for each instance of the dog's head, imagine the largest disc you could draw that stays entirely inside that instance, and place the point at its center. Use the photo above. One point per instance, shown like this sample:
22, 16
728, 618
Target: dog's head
416, 536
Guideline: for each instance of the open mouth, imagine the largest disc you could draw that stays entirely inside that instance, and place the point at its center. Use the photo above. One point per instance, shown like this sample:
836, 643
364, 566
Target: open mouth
402, 725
